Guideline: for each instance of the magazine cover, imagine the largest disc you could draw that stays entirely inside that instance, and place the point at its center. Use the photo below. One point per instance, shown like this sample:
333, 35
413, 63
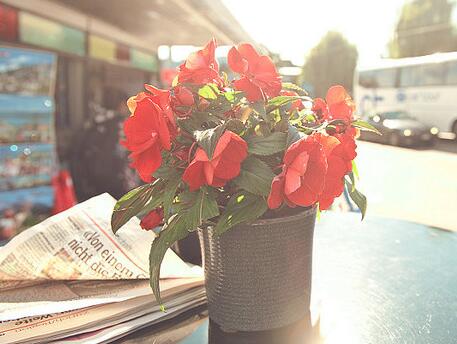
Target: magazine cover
27, 144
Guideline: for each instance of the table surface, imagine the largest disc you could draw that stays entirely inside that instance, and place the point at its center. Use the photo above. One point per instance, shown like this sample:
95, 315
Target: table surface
379, 281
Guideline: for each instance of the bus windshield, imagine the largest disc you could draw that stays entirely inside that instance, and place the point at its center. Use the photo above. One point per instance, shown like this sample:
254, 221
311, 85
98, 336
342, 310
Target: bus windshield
396, 115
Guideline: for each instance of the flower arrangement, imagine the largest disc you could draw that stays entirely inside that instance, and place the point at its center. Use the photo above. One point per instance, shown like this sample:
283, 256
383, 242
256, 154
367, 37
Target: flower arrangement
217, 153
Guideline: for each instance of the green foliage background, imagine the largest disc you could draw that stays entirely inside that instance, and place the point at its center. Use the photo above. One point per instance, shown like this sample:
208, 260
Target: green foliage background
329, 63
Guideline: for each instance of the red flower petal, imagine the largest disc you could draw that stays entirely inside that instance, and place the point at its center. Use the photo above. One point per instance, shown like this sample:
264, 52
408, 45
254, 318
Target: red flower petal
303, 196
147, 162
300, 163
320, 108
194, 175
252, 91
208, 170
226, 169
276, 196
236, 61
217, 182
248, 52
336, 94
329, 143
232, 146
201, 67
292, 181
153, 219
296, 148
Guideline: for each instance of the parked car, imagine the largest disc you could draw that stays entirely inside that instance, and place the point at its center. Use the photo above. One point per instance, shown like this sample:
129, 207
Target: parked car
399, 128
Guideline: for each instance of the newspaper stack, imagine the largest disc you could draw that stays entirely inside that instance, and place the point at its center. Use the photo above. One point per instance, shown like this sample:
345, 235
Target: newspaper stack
69, 279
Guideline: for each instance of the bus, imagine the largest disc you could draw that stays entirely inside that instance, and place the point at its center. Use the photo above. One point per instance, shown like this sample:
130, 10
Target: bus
425, 87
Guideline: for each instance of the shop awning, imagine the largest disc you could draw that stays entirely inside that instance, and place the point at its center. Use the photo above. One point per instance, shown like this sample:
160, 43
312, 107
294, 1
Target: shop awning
166, 22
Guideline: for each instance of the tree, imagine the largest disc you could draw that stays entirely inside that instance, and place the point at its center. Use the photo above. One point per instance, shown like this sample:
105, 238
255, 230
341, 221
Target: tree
424, 27
331, 62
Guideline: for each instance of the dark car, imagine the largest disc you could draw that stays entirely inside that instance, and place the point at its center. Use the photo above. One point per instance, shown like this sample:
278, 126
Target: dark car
398, 128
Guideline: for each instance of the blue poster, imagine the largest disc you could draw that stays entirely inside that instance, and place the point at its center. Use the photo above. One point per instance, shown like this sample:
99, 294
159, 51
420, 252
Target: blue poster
27, 140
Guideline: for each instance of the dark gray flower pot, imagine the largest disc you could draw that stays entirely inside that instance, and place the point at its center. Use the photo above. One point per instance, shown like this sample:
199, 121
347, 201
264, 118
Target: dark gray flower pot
258, 275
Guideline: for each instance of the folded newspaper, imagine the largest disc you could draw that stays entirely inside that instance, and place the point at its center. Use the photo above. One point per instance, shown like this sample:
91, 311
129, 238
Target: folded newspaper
70, 279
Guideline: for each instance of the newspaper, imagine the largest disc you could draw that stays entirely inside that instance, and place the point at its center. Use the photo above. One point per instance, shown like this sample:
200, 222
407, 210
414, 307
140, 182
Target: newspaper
70, 275
109, 334
62, 325
78, 244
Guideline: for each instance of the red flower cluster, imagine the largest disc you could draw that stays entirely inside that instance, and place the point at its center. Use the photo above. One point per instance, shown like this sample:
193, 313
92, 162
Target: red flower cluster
225, 164
259, 78
220, 143
313, 168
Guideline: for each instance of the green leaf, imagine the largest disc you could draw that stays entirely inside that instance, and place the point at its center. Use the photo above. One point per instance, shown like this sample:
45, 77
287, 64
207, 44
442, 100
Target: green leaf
259, 108
277, 102
242, 207
130, 205
208, 139
365, 126
235, 125
208, 92
359, 199
233, 96
196, 121
355, 170
272, 144
169, 194
292, 87
165, 172
255, 177
352, 178
262, 129
199, 206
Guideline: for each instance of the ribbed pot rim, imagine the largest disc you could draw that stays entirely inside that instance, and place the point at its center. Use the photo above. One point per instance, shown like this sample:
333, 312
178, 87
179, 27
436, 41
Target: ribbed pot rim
285, 219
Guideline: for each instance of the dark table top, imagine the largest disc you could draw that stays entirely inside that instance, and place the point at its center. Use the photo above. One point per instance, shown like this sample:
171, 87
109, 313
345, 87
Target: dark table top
379, 281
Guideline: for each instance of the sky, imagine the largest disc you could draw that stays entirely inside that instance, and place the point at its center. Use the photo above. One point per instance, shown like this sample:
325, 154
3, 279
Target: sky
293, 27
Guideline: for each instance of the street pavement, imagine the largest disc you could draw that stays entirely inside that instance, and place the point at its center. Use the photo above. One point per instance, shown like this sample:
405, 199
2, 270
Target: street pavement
418, 185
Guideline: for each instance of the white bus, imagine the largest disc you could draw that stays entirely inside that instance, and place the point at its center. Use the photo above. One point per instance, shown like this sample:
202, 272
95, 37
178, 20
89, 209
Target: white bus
425, 87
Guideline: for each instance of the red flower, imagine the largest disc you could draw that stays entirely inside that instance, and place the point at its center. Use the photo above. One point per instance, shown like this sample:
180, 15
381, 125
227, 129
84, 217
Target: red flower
149, 130
153, 219
320, 109
201, 67
338, 105
303, 174
297, 104
225, 165
182, 101
259, 78
339, 164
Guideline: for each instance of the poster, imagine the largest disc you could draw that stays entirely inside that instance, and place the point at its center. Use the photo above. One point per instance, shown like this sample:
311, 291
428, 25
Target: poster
27, 144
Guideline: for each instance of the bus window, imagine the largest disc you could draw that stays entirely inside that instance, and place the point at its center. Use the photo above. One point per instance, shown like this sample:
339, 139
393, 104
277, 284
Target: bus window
409, 76
431, 74
378, 78
451, 75
366, 79
386, 77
